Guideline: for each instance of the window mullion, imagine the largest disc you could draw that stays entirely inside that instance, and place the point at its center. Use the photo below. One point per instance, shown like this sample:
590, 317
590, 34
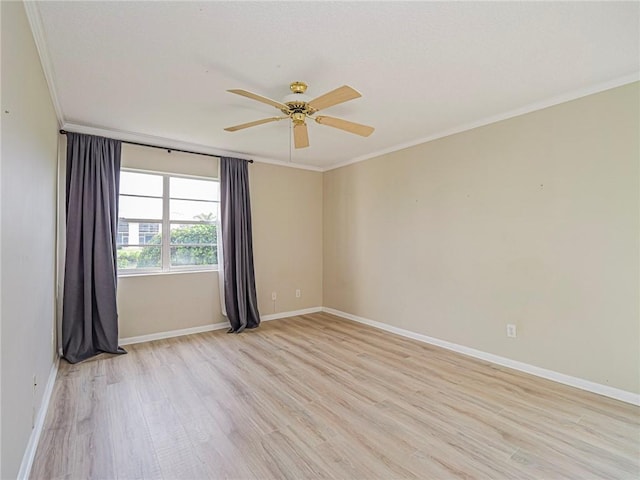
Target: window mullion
166, 227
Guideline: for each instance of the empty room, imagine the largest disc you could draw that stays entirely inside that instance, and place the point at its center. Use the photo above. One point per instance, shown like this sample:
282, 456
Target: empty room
299, 240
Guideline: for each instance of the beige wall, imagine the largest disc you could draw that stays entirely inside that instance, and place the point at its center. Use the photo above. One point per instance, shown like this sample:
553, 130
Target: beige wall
161, 303
28, 197
532, 221
286, 206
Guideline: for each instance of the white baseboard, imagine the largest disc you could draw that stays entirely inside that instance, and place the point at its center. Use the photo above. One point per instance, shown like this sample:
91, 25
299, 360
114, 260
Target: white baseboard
173, 333
208, 328
622, 395
34, 438
304, 311
589, 386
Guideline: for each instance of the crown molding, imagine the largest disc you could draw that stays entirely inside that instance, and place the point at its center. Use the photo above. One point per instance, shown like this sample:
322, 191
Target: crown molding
178, 144
35, 22
532, 107
170, 143
40, 39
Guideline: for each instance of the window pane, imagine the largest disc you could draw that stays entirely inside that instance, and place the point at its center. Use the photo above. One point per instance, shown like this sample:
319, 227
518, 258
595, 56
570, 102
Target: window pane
135, 233
139, 257
149, 233
140, 184
137, 207
190, 234
204, 255
193, 189
193, 210
123, 232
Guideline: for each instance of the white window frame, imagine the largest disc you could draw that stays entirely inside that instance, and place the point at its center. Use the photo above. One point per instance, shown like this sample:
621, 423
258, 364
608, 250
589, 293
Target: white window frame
165, 256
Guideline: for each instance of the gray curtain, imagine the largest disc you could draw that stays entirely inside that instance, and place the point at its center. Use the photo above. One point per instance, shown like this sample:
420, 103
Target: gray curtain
235, 219
89, 313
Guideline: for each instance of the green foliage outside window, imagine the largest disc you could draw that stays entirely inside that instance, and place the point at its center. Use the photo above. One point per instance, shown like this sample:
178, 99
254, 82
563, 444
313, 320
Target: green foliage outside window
189, 245
127, 258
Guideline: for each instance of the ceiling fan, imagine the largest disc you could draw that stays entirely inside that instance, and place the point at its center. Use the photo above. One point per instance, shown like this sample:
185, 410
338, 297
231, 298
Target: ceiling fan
298, 108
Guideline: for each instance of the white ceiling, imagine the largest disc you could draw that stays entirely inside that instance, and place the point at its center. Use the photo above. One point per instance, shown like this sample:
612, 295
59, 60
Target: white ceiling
160, 70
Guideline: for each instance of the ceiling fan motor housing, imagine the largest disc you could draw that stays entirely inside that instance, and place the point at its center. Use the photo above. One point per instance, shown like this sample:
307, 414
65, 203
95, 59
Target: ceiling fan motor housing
297, 102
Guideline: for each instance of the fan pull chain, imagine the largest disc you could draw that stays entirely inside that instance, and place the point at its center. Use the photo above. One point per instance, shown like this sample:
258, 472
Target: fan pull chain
290, 139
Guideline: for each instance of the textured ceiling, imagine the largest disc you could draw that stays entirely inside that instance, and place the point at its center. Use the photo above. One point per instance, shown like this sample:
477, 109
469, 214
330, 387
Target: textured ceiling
161, 69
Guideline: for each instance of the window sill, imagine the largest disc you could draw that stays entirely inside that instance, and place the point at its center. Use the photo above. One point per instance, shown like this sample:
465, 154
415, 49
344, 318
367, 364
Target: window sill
172, 272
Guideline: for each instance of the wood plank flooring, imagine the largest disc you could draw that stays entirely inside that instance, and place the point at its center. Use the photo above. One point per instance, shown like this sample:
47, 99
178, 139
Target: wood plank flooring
316, 396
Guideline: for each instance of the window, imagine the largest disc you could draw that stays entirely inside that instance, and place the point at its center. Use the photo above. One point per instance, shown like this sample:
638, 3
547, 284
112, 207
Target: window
152, 204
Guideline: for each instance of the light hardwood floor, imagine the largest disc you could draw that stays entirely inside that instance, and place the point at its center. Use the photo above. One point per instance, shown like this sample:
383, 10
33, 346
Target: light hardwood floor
320, 397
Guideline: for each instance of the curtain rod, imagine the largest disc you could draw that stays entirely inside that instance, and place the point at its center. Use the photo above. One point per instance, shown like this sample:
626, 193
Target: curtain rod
64, 132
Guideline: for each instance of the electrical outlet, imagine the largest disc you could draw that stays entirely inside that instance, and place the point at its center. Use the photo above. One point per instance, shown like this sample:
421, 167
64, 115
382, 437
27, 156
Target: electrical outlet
274, 296
511, 330
298, 294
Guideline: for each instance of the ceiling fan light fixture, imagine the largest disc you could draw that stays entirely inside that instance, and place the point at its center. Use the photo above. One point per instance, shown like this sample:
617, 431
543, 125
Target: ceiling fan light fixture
298, 117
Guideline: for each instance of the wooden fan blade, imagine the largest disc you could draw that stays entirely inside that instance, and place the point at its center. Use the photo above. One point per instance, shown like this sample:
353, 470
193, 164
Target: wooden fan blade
300, 135
334, 97
350, 127
260, 98
253, 124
